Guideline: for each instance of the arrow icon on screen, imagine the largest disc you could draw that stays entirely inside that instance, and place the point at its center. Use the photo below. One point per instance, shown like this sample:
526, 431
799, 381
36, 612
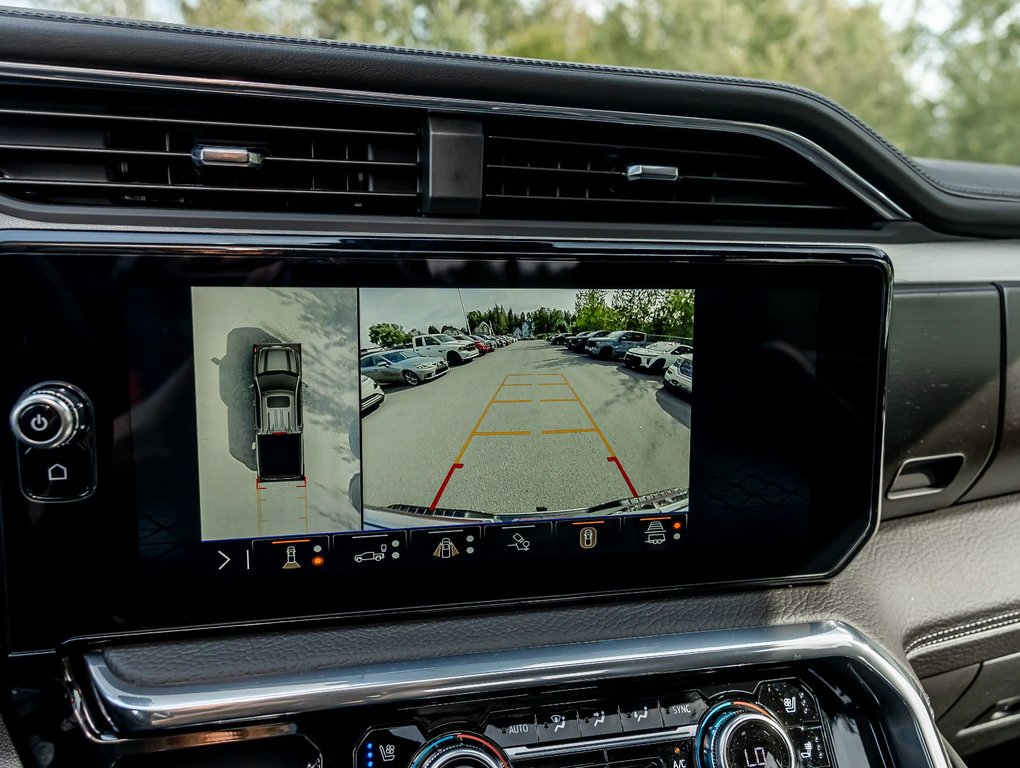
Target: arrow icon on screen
226, 559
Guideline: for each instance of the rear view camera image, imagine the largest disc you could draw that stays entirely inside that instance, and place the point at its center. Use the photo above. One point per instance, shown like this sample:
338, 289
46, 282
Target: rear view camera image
510, 404
277, 399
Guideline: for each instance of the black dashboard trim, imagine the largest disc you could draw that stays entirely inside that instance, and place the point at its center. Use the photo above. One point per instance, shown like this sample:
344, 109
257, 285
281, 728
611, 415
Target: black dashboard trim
171, 50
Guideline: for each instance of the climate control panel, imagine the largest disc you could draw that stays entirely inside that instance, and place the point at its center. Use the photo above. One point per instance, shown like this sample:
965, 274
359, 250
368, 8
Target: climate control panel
765, 724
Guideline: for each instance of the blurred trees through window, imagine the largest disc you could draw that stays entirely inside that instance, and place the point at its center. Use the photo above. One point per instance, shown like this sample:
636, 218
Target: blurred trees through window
938, 79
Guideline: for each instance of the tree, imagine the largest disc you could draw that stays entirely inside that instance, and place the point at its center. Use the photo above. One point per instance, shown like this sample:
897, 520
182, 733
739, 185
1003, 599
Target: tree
593, 314
674, 314
388, 335
979, 55
433, 329
844, 49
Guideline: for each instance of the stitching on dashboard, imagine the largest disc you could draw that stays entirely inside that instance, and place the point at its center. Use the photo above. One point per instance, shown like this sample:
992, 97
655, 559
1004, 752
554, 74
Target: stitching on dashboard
988, 193
456, 55
964, 630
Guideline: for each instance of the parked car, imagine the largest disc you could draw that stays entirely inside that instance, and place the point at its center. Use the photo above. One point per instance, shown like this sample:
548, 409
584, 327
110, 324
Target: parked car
558, 338
279, 449
657, 357
371, 394
679, 376
454, 351
493, 340
401, 366
577, 341
481, 345
492, 344
615, 344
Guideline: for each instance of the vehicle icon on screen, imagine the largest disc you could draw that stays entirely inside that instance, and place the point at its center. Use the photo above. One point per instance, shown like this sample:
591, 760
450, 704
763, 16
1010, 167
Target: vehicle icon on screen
373, 557
278, 419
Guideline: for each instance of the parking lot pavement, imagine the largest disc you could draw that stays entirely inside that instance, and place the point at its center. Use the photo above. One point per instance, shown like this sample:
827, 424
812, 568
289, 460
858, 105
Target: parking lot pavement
527, 426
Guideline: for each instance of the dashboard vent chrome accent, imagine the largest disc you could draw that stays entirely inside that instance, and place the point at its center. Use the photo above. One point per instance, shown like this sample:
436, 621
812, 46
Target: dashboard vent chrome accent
561, 169
142, 149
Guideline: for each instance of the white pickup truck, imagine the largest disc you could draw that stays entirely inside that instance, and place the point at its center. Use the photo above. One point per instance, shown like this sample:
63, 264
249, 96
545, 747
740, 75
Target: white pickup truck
441, 345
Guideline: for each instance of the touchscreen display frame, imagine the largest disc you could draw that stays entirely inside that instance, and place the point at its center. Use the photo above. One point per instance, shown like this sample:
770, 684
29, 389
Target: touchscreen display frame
835, 441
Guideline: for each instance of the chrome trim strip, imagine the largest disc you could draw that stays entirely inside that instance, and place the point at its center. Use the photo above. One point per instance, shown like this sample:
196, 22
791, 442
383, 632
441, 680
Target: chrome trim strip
587, 745
137, 708
826, 161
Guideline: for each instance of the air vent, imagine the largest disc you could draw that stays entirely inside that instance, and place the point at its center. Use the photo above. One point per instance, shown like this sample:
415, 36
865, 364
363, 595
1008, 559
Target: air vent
200, 151
557, 169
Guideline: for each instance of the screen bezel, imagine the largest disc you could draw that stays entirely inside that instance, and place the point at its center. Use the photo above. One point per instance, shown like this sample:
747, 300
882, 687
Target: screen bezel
95, 541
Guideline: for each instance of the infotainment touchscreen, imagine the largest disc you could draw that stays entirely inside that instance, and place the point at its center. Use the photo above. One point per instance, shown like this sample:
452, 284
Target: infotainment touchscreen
364, 426
325, 410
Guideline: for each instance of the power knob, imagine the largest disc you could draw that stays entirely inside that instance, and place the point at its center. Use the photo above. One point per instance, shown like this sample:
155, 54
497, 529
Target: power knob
50, 415
739, 734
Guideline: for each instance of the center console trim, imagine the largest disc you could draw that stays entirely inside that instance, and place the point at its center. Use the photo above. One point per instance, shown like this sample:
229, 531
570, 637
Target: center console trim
131, 708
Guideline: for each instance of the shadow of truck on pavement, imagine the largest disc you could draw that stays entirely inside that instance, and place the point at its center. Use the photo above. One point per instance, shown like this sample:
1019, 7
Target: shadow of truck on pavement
236, 392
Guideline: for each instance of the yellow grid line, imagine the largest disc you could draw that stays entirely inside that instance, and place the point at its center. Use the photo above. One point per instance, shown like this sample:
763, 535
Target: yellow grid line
590, 418
481, 418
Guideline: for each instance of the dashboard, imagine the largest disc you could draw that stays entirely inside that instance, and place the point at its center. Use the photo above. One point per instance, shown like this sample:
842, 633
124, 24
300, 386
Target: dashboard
352, 419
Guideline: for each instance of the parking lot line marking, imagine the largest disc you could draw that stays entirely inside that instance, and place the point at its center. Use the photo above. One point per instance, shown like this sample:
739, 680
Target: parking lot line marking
454, 467
566, 431
513, 401
494, 434
553, 383
481, 418
558, 400
522, 384
580, 402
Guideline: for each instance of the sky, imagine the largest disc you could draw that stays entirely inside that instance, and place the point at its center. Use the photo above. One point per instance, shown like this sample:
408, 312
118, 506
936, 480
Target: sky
421, 307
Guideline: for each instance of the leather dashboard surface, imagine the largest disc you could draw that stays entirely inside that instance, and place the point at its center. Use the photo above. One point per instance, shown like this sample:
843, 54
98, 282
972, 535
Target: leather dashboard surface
41, 38
941, 588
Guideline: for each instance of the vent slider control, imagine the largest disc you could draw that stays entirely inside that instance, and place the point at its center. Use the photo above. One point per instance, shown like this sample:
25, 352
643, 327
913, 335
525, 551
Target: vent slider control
233, 157
652, 173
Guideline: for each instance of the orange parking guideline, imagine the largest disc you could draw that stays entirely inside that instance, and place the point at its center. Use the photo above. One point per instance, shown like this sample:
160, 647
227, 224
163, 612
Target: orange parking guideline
513, 401
590, 418
566, 431
493, 434
481, 418
558, 400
